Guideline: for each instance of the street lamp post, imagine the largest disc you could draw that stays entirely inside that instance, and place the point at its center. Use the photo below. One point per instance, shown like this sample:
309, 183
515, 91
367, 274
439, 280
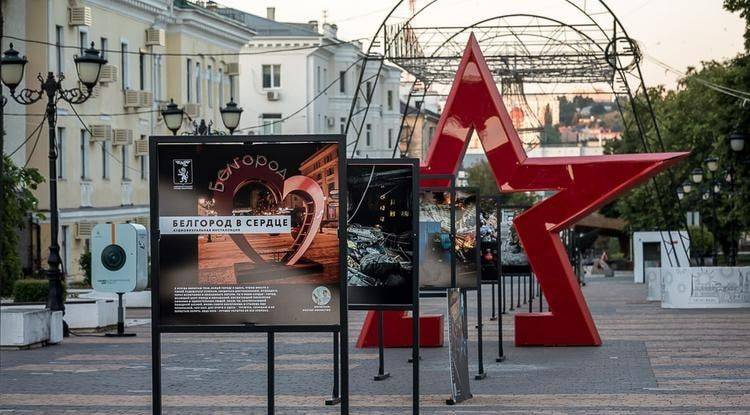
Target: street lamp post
737, 145
230, 117
712, 164
88, 67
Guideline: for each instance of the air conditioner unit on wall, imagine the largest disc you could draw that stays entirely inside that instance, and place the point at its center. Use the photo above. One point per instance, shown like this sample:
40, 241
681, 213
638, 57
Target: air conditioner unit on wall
233, 68
155, 37
141, 147
331, 122
273, 95
108, 74
100, 132
83, 229
145, 99
79, 16
122, 137
132, 98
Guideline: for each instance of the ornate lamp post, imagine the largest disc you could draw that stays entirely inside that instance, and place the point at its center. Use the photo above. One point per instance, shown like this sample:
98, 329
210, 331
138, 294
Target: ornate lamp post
172, 117
88, 67
737, 145
230, 116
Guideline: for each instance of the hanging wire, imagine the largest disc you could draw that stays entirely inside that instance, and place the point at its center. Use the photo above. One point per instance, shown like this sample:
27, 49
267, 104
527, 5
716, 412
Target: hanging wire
336, 42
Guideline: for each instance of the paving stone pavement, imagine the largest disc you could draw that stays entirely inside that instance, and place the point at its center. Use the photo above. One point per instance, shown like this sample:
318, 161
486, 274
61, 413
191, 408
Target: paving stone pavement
652, 361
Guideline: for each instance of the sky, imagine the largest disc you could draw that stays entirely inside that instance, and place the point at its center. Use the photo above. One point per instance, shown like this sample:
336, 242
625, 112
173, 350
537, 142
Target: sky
680, 33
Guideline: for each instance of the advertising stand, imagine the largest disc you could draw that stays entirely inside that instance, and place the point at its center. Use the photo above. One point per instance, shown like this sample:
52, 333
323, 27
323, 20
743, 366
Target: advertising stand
382, 256
247, 237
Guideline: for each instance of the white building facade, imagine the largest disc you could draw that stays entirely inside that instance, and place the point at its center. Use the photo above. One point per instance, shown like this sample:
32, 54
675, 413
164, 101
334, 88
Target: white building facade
297, 78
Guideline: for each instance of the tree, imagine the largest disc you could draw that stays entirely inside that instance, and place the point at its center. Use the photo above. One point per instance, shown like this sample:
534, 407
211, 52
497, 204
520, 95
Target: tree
480, 176
743, 7
697, 119
550, 135
16, 186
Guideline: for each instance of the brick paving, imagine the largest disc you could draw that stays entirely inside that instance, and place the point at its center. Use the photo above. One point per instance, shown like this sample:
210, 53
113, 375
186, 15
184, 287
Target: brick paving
652, 361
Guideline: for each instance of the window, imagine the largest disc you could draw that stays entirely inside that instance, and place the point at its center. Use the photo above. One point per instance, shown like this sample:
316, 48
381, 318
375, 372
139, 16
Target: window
342, 82
58, 49
105, 159
84, 154
368, 135
369, 91
209, 87
197, 82
124, 65
271, 76
144, 164
103, 45
342, 125
60, 152
390, 136
317, 80
142, 71
221, 87
124, 162
189, 80
271, 123
390, 100
325, 79
83, 40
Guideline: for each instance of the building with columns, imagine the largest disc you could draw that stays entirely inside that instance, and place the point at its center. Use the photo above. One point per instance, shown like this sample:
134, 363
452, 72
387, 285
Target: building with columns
156, 50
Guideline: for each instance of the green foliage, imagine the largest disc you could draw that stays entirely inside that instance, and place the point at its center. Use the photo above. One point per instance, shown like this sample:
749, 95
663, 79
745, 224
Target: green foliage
16, 187
32, 290
568, 109
697, 119
480, 176
743, 7
84, 261
550, 135
701, 242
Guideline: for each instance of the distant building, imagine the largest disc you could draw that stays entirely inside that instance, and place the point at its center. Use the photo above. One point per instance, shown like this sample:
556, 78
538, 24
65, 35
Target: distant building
103, 165
306, 86
419, 127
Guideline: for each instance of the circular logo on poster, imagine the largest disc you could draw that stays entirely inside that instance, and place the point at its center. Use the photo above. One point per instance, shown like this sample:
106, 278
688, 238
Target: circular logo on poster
321, 295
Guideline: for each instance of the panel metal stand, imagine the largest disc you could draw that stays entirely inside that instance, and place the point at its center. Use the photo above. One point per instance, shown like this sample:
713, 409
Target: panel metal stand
120, 320
270, 364
335, 397
511, 307
500, 296
382, 374
480, 355
493, 317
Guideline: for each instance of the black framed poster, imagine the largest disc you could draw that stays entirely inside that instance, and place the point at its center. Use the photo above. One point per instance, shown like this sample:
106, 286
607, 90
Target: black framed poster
466, 248
249, 231
381, 230
512, 256
435, 239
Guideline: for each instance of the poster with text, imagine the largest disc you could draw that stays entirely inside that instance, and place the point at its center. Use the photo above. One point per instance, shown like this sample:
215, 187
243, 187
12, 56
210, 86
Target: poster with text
512, 256
249, 234
379, 234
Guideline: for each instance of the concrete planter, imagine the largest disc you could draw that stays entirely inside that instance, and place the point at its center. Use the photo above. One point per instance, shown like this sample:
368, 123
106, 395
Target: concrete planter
90, 314
29, 326
705, 287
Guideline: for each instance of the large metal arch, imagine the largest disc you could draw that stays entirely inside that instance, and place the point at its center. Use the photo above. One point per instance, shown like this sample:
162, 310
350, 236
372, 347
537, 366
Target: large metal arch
641, 118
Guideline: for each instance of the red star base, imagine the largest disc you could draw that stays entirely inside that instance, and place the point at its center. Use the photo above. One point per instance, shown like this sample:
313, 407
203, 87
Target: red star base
581, 185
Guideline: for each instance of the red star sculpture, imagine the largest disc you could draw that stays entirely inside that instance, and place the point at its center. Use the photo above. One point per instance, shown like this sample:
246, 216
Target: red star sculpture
581, 185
